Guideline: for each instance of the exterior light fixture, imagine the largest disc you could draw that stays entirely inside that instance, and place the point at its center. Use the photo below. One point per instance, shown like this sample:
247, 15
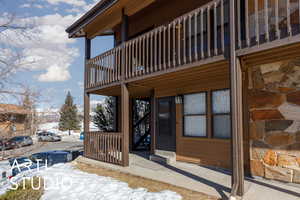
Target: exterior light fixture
179, 99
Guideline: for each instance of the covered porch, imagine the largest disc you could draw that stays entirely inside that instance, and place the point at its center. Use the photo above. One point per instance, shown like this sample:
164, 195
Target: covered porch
164, 94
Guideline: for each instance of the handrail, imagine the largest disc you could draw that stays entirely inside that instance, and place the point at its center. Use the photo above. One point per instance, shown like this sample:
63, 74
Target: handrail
184, 40
105, 68
104, 146
189, 38
266, 21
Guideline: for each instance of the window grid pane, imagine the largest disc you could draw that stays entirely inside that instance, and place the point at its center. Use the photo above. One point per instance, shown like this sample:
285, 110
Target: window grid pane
221, 101
195, 126
222, 126
195, 104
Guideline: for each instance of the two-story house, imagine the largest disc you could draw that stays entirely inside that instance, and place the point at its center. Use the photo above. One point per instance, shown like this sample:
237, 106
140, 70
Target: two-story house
222, 76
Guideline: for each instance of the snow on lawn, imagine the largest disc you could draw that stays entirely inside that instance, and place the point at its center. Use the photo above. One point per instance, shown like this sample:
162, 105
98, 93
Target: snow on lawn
4, 167
53, 127
63, 181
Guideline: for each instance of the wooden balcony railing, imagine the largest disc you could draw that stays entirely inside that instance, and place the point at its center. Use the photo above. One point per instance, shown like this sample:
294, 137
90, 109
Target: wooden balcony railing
105, 147
192, 37
198, 36
104, 69
262, 22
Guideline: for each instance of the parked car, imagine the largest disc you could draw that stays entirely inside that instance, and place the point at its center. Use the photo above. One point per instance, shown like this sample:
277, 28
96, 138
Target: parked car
52, 157
48, 137
42, 159
75, 154
81, 137
18, 141
21, 164
5, 172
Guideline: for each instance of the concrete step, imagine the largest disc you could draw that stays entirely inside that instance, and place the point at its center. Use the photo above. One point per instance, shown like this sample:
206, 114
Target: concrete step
167, 157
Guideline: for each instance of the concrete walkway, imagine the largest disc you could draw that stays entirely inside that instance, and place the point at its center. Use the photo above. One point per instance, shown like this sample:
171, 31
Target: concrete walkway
202, 179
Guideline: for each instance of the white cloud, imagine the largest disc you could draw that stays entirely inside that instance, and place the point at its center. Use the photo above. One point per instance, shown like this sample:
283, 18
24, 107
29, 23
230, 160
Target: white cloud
48, 50
77, 6
48, 47
38, 6
55, 73
31, 5
73, 10
70, 2
25, 5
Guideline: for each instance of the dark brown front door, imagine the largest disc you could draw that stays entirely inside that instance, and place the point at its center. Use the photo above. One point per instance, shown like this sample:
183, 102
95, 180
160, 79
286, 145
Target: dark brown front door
166, 134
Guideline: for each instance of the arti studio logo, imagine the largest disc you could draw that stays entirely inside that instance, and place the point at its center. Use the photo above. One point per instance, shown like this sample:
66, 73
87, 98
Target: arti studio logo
28, 172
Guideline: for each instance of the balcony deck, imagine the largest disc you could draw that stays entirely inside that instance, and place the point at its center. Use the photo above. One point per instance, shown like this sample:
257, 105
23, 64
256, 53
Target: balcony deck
197, 38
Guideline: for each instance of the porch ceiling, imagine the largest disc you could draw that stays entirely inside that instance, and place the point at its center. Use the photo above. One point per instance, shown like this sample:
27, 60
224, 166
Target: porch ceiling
174, 83
109, 90
263, 55
188, 80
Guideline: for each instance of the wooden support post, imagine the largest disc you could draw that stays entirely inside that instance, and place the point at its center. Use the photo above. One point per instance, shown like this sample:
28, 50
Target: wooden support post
131, 131
124, 38
153, 123
124, 96
236, 110
115, 114
124, 28
115, 41
86, 112
119, 127
86, 96
125, 124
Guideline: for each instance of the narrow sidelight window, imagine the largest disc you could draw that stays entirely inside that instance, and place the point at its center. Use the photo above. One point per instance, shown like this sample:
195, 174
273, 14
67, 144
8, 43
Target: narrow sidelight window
221, 114
195, 115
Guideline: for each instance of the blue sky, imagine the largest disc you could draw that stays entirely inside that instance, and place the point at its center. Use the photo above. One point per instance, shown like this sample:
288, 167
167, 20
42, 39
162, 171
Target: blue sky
57, 61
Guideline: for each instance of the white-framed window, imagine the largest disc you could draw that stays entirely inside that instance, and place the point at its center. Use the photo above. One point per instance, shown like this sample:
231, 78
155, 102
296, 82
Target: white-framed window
195, 115
207, 114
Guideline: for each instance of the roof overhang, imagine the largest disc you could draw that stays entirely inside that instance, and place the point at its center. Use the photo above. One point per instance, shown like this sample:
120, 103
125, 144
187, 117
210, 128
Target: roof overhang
13, 109
104, 16
76, 29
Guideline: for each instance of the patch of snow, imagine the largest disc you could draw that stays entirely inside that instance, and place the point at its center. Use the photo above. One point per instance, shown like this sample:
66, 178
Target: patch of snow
53, 127
4, 167
63, 181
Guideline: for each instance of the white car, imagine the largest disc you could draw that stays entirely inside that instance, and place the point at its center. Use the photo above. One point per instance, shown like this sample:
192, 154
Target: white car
48, 137
5, 172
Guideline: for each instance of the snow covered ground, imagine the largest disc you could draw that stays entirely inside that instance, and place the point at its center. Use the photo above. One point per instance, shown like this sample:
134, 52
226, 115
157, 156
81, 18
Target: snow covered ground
53, 127
4, 167
64, 182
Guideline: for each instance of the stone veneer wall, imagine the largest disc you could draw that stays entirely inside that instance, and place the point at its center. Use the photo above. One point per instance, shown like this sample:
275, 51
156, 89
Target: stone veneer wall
274, 105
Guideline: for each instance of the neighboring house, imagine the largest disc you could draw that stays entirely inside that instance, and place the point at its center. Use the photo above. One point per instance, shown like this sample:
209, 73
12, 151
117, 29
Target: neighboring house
13, 120
48, 115
185, 56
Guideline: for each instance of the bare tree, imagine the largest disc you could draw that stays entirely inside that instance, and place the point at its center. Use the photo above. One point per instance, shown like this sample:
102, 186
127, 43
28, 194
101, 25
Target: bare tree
12, 30
30, 98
